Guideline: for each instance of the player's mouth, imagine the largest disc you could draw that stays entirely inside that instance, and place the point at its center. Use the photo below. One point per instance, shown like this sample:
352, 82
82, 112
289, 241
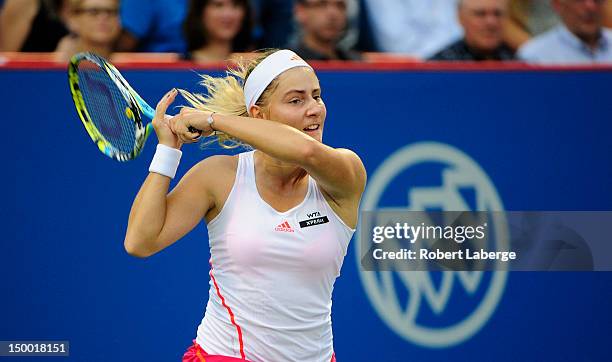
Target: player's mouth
312, 128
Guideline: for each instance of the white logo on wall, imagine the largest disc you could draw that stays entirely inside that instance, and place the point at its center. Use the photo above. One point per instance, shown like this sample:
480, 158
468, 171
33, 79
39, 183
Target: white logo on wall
428, 297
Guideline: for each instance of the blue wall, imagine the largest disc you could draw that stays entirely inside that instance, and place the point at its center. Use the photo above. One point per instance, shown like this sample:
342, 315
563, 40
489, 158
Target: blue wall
543, 138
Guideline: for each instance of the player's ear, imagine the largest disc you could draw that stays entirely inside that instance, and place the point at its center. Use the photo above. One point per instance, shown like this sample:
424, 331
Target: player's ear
257, 112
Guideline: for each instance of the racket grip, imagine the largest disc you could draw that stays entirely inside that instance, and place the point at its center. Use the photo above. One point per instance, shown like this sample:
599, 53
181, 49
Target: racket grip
194, 130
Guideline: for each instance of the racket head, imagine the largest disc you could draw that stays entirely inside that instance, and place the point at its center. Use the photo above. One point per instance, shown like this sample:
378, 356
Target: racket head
109, 108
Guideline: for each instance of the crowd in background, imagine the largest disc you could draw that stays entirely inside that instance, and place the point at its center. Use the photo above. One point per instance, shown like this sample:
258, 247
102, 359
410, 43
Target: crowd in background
538, 31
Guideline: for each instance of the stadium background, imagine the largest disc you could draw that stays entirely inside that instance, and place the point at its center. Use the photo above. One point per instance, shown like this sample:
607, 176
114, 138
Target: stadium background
541, 135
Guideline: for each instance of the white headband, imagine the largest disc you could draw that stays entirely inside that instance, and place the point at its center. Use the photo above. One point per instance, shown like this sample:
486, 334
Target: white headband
266, 71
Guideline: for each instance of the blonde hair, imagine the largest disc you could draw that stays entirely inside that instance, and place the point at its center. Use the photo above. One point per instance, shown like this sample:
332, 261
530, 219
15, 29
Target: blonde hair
225, 95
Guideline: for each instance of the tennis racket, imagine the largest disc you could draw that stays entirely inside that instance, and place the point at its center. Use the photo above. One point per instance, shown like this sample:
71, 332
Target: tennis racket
111, 111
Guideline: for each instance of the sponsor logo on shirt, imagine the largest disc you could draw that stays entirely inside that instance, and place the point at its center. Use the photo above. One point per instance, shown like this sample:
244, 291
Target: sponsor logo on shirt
314, 218
284, 227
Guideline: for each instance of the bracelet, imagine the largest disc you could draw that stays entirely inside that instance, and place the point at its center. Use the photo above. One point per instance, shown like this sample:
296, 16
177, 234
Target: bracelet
211, 121
166, 161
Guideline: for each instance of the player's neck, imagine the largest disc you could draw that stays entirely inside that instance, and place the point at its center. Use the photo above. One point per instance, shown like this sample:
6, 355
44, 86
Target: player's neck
277, 173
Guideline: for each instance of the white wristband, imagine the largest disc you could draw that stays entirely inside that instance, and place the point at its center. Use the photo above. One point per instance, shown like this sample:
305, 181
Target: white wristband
166, 161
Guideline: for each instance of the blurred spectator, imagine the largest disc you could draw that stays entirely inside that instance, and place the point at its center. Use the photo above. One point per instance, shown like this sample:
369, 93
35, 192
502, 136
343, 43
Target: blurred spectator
482, 22
32, 25
274, 19
363, 39
95, 28
153, 26
580, 38
275, 25
322, 24
216, 28
418, 28
526, 19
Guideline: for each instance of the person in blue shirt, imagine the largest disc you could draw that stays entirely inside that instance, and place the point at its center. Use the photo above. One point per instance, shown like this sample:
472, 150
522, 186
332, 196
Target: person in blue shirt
580, 39
153, 25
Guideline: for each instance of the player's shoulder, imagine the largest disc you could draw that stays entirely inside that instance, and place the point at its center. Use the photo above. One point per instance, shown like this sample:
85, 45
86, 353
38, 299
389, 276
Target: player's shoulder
350, 155
213, 173
357, 163
348, 152
217, 164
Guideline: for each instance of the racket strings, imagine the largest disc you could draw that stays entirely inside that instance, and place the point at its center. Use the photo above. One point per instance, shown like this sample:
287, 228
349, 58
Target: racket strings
107, 107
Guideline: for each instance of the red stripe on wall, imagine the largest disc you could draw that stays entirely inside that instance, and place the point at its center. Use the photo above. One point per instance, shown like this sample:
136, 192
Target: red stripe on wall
46, 63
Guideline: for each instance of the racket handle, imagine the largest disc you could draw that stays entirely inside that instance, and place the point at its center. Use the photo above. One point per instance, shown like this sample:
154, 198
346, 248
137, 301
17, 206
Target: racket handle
148, 130
194, 130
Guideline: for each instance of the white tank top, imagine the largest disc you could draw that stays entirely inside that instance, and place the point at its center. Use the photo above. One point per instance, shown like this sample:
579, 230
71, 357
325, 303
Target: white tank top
272, 275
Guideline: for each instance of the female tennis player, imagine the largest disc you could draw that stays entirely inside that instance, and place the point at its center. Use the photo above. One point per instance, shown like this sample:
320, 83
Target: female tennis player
279, 218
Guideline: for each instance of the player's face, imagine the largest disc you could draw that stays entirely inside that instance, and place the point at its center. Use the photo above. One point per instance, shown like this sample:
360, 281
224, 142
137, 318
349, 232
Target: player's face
297, 102
97, 21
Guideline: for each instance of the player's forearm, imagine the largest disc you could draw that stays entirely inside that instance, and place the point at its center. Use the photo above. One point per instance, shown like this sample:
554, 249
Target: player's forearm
147, 216
276, 139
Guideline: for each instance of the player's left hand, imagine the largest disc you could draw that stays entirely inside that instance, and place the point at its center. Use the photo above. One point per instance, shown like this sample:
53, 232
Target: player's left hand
191, 124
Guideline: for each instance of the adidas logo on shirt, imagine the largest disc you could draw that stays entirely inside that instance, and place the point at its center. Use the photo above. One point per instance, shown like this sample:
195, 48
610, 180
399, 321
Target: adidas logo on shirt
284, 227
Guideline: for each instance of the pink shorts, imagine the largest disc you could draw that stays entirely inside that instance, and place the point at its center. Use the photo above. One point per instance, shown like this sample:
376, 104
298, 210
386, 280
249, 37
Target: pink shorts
195, 353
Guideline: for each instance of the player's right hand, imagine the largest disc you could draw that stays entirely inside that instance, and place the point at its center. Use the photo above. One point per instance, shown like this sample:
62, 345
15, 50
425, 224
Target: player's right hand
164, 133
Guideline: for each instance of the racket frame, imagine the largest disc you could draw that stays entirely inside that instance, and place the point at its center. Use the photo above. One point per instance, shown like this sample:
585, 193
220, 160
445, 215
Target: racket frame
136, 105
